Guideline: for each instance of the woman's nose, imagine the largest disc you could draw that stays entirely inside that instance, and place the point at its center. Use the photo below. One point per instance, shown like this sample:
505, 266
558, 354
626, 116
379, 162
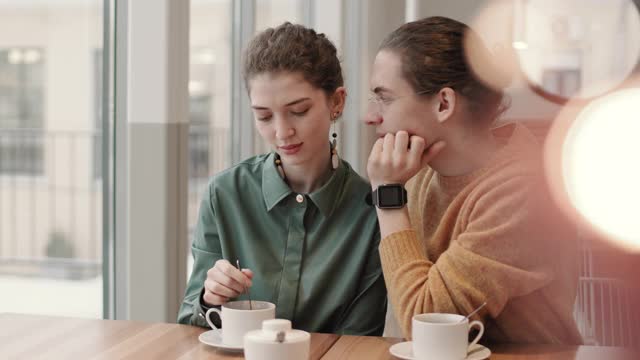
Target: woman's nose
284, 130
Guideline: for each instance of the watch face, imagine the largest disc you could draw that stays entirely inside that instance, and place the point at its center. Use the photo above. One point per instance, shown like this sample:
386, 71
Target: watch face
390, 195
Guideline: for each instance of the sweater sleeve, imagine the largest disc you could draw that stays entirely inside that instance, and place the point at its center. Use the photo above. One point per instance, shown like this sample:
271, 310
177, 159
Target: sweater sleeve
496, 256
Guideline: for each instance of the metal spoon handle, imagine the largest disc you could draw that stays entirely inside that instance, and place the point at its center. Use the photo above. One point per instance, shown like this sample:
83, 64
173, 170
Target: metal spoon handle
474, 311
245, 289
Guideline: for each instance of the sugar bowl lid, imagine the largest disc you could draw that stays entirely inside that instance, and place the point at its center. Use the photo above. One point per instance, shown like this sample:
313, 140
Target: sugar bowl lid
278, 331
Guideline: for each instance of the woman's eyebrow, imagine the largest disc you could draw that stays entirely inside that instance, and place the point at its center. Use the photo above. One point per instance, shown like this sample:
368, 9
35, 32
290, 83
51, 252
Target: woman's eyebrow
294, 102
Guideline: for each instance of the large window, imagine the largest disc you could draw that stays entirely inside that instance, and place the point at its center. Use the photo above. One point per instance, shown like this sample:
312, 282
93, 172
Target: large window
96, 105
270, 13
50, 202
201, 96
209, 98
274, 12
209, 88
21, 110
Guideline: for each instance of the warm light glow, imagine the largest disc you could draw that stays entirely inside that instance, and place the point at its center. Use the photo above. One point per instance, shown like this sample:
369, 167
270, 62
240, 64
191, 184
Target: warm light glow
601, 166
15, 56
204, 57
32, 56
578, 48
520, 45
491, 53
196, 87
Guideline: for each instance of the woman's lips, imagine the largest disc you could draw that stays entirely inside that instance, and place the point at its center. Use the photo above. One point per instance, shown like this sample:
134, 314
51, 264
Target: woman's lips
290, 149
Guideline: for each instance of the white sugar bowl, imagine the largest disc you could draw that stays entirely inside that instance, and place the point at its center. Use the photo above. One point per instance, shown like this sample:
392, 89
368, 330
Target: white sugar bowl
277, 341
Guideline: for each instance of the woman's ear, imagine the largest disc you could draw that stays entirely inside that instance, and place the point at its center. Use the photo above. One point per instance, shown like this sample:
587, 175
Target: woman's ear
338, 100
445, 104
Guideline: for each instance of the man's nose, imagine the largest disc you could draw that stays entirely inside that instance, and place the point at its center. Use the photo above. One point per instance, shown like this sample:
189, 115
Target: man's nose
372, 117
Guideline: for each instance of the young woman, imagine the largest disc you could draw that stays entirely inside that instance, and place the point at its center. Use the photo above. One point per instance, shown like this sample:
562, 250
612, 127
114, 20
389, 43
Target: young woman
294, 218
477, 227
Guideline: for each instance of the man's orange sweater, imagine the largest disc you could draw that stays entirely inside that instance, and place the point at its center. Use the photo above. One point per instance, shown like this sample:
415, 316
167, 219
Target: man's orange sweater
491, 236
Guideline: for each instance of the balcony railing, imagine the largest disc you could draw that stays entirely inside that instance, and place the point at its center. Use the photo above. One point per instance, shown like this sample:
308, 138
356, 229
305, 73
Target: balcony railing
51, 197
50, 203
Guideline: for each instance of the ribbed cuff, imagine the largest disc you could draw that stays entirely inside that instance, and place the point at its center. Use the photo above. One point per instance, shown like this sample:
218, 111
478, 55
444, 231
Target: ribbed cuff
400, 248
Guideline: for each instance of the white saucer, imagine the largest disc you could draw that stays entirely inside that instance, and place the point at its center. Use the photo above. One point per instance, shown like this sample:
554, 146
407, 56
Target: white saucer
404, 350
213, 338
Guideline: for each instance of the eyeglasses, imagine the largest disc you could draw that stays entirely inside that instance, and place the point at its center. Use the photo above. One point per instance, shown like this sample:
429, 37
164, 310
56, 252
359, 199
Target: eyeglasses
380, 103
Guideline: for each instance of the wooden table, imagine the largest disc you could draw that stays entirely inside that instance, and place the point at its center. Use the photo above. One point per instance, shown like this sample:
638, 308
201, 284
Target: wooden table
47, 337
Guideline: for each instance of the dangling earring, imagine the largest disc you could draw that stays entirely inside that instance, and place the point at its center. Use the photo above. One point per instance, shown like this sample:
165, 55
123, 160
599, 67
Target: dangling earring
279, 167
334, 142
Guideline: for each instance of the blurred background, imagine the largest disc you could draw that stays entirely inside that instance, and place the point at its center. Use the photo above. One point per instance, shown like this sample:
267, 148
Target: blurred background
76, 234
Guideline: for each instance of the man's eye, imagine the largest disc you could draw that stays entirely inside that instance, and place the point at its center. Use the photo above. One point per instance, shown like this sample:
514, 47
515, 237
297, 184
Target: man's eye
264, 118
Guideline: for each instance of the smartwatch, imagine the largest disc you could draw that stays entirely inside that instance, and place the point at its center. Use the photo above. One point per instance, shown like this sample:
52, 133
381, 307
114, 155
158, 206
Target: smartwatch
389, 196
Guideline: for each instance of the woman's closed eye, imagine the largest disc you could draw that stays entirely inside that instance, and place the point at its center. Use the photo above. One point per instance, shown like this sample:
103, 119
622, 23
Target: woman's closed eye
300, 112
264, 116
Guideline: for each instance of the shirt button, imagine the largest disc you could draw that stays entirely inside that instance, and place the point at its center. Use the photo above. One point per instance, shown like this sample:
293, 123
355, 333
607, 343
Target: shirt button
299, 198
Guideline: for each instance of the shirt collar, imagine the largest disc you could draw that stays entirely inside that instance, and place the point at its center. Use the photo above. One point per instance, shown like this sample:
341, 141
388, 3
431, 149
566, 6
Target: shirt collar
274, 189
326, 198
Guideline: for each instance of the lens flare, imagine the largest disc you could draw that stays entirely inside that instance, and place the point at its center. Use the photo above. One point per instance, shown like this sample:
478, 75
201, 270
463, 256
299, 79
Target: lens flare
491, 47
577, 48
592, 162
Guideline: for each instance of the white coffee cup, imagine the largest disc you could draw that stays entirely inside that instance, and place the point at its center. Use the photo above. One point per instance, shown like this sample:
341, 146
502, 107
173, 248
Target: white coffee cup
237, 319
442, 336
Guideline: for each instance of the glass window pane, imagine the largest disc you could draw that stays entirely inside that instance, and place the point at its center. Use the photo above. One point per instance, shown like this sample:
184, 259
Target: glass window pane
209, 98
271, 13
50, 200
210, 88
